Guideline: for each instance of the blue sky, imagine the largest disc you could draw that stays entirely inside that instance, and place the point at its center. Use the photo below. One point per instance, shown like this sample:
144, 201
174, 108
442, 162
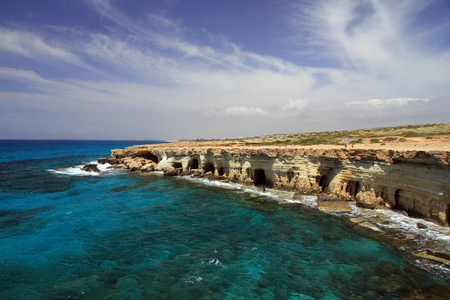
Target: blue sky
164, 69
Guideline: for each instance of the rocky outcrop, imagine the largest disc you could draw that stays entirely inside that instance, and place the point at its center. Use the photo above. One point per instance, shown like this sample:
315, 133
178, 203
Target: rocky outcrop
90, 168
413, 181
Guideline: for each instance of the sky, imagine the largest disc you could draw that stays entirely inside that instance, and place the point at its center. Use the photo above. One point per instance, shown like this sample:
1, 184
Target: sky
189, 69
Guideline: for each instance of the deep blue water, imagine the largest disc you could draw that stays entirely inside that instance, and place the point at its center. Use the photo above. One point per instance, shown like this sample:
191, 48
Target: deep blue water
129, 236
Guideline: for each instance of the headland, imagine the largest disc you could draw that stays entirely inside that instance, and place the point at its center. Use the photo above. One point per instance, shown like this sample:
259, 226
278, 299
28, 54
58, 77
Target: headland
401, 169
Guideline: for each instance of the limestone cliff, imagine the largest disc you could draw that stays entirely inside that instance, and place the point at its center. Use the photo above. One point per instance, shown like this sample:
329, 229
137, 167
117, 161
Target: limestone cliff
414, 181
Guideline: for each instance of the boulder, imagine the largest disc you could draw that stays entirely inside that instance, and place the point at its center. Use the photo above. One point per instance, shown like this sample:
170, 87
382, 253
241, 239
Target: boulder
113, 160
368, 199
133, 165
102, 161
149, 167
171, 171
421, 226
297, 196
90, 168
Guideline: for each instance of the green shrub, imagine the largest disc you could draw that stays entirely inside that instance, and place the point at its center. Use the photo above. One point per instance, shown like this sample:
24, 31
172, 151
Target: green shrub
389, 139
358, 141
410, 134
373, 141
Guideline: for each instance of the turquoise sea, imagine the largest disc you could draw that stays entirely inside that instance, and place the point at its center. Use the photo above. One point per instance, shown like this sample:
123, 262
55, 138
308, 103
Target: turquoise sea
67, 234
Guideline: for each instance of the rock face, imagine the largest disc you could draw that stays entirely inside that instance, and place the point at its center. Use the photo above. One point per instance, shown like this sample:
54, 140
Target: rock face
414, 181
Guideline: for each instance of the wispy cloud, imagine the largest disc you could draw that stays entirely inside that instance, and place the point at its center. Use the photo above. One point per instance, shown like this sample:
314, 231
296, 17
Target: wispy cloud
383, 104
152, 67
27, 44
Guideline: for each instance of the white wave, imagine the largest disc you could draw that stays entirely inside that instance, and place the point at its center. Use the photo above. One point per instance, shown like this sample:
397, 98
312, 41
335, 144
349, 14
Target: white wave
105, 169
276, 195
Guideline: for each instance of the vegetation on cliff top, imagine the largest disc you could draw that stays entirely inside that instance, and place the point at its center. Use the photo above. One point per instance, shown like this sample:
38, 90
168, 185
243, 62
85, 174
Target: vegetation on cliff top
387, 135
375, 135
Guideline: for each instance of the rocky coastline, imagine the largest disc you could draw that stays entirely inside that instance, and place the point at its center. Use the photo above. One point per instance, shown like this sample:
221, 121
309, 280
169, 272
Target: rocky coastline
411, 181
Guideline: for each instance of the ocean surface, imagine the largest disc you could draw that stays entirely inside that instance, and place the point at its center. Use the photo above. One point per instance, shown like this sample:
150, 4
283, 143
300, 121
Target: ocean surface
69, 234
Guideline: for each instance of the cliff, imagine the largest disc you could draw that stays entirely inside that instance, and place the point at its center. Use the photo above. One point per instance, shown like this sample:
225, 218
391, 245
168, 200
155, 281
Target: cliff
413, 181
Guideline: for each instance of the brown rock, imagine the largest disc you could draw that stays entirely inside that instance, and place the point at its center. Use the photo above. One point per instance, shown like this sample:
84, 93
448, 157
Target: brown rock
421, 226
368, 199
171, 171
90, 168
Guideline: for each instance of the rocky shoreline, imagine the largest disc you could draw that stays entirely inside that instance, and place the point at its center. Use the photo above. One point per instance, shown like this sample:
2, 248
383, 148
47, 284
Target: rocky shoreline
413, 182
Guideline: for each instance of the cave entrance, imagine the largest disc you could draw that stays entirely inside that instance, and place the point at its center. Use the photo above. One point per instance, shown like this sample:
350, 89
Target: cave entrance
177, 165
322, 181
209, 167
193, 164
397, 196
260, 177
221, 171
352, 188
152, 157
290, 175
447, 213
324, 178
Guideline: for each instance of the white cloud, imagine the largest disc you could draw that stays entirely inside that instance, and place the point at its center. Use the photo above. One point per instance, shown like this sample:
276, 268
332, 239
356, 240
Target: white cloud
299, 104
26, 44
383, 104
153, 69
239, 111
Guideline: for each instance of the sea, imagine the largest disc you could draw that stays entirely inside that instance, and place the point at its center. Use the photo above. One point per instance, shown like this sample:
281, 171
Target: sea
70, 234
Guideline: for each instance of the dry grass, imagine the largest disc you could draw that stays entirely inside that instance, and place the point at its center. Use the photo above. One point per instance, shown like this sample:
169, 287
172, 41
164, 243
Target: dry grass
411, 137
364, 136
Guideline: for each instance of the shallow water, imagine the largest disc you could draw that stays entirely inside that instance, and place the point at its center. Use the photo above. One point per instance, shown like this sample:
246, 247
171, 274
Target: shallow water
68, 234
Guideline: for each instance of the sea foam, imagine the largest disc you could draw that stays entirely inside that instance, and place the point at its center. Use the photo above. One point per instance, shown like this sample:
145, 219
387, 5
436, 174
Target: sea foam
105, 169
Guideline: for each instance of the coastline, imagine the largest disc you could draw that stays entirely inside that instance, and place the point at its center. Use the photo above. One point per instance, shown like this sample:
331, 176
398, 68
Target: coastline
349, 192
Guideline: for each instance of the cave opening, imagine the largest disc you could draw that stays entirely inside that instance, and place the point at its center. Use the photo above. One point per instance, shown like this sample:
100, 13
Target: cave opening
177, 165
193, 164
397, 195
447, 214
322, 181
290, 175
352, 188
221, 171
152, 157
324, 178
260, 177
209, 167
